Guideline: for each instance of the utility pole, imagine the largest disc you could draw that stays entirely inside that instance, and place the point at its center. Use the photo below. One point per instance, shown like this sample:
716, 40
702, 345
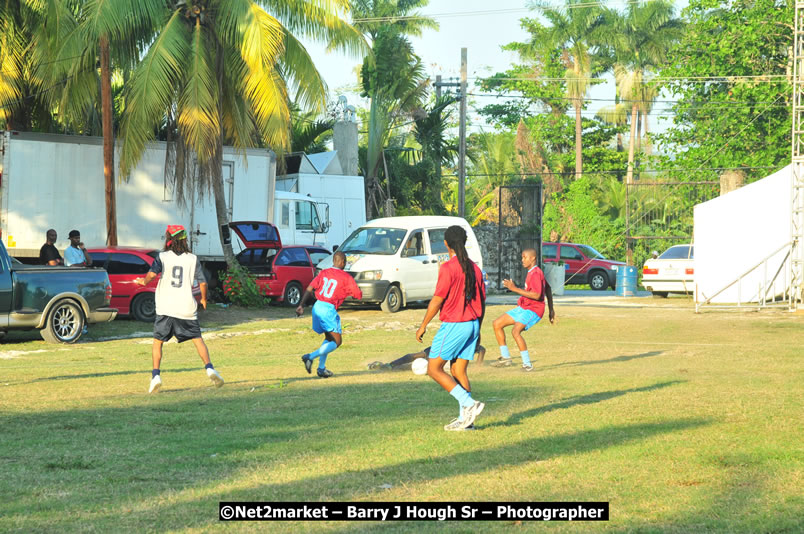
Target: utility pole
462, 129
462, 135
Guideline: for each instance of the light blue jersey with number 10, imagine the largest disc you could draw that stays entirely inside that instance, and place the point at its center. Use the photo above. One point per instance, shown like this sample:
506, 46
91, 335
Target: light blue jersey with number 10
174, 293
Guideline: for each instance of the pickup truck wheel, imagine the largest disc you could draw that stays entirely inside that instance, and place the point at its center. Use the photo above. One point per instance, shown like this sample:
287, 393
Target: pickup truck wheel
143, 308
64, 324
392, 301
293, 294
598, 281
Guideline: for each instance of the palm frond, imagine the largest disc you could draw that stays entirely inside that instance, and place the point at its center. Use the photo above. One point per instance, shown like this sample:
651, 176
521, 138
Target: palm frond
152, 89
198, 118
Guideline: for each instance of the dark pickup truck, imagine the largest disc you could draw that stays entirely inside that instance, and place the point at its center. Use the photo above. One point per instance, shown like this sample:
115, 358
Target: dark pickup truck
58, 301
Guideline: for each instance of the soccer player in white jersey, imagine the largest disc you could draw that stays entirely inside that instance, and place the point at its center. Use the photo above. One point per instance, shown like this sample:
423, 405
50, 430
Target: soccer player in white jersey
176, 309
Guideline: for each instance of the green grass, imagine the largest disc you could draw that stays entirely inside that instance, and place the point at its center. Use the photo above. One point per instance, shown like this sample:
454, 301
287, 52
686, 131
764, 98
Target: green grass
684, 422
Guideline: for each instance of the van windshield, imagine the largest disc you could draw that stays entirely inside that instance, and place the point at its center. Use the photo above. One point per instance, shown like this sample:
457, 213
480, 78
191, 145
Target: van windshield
384, 241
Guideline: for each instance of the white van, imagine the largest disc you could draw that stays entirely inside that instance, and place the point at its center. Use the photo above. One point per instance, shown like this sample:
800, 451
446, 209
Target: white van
395, 260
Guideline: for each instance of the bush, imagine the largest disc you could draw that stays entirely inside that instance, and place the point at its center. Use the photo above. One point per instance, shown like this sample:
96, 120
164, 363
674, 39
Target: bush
573, 217
240, 287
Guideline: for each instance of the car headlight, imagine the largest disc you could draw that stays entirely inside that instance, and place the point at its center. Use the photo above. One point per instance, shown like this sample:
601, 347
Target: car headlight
370, 275
613, 267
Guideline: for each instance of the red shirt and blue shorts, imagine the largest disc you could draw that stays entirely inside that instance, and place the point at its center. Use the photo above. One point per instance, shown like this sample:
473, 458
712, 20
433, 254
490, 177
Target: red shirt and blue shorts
530, 311
459, 332
331, 287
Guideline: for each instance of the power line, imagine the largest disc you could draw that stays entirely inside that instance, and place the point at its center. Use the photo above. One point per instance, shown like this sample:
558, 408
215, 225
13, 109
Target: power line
757, 78
572, 173
623, 101
475, 13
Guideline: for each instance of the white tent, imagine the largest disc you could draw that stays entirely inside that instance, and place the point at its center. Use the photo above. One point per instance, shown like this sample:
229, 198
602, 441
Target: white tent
742, 238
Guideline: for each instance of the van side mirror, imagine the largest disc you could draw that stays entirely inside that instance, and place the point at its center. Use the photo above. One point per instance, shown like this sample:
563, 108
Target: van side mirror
334, 248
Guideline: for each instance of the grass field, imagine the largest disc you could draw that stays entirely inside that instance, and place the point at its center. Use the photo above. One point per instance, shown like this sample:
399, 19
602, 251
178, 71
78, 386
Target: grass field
683, 422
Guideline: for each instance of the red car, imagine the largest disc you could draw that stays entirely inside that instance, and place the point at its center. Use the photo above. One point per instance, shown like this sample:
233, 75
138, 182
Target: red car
582, 264
124, 265
286, 270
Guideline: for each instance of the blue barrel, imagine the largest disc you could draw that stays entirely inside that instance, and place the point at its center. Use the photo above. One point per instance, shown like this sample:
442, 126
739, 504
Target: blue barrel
626, 281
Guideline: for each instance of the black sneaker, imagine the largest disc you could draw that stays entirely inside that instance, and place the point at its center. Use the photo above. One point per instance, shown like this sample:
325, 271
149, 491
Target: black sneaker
308, 363
324, 373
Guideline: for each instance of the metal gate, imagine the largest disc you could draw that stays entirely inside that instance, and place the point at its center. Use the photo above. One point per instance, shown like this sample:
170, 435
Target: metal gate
660, 214
519, 225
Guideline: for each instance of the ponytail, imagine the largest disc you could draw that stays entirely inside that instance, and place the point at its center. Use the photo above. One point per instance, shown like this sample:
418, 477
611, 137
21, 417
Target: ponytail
455, 236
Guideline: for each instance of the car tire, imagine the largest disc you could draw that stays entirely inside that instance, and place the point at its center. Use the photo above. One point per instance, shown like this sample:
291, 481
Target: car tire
392, 302
660, 294
598, 280
143, 308
64, 324
293, 294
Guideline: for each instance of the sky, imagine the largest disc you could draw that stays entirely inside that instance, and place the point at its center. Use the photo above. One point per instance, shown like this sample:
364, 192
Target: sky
482, 27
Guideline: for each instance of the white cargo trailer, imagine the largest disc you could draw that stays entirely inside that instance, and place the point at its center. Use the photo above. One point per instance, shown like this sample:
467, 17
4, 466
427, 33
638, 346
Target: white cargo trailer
56, 181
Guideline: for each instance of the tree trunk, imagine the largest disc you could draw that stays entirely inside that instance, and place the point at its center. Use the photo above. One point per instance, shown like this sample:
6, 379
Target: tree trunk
108, 142
221, 209
578, 142
639, 132
629, 176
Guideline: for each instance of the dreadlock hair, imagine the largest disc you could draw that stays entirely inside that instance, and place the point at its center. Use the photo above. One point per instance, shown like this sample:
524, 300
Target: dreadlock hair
178, 246
455, 236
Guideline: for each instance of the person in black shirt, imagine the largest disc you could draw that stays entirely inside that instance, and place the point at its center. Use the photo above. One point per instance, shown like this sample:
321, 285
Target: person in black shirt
49, 254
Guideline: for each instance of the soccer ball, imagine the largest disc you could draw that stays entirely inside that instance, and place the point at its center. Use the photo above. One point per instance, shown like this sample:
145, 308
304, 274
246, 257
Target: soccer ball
419, 366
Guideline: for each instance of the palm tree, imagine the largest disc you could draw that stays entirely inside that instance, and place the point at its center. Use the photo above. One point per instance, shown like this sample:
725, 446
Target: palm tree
430, 132
493, 160
309, 132
29, 31
222, 70
646, 32
573, 29
392, 77
616, 115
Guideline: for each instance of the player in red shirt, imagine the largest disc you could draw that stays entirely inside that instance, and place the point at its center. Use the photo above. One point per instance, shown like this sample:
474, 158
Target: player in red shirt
460, 295
529, 311
331, 287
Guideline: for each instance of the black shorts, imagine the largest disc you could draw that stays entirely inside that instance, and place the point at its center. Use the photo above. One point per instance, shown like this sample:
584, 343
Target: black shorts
165, 327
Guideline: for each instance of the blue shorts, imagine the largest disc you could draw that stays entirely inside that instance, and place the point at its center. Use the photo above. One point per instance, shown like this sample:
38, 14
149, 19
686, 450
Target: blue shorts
326, 318
456, 340
525, 317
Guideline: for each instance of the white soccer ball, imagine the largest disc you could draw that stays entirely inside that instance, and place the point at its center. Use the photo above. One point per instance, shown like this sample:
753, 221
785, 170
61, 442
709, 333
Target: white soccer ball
419, 366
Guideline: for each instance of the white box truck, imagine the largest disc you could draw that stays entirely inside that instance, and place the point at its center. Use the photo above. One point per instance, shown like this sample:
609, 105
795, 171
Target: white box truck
56, 181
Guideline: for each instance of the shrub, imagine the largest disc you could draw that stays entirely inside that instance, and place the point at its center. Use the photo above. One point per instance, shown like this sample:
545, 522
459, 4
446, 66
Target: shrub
240, 287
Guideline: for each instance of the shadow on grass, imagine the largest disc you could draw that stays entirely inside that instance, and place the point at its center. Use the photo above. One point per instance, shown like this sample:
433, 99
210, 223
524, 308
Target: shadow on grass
167, 444
581, 400
143, 371
617, 359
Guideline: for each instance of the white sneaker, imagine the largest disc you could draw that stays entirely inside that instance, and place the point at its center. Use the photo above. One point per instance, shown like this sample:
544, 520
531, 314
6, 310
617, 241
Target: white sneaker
215, 377
457, 425
156, 383
470, 413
